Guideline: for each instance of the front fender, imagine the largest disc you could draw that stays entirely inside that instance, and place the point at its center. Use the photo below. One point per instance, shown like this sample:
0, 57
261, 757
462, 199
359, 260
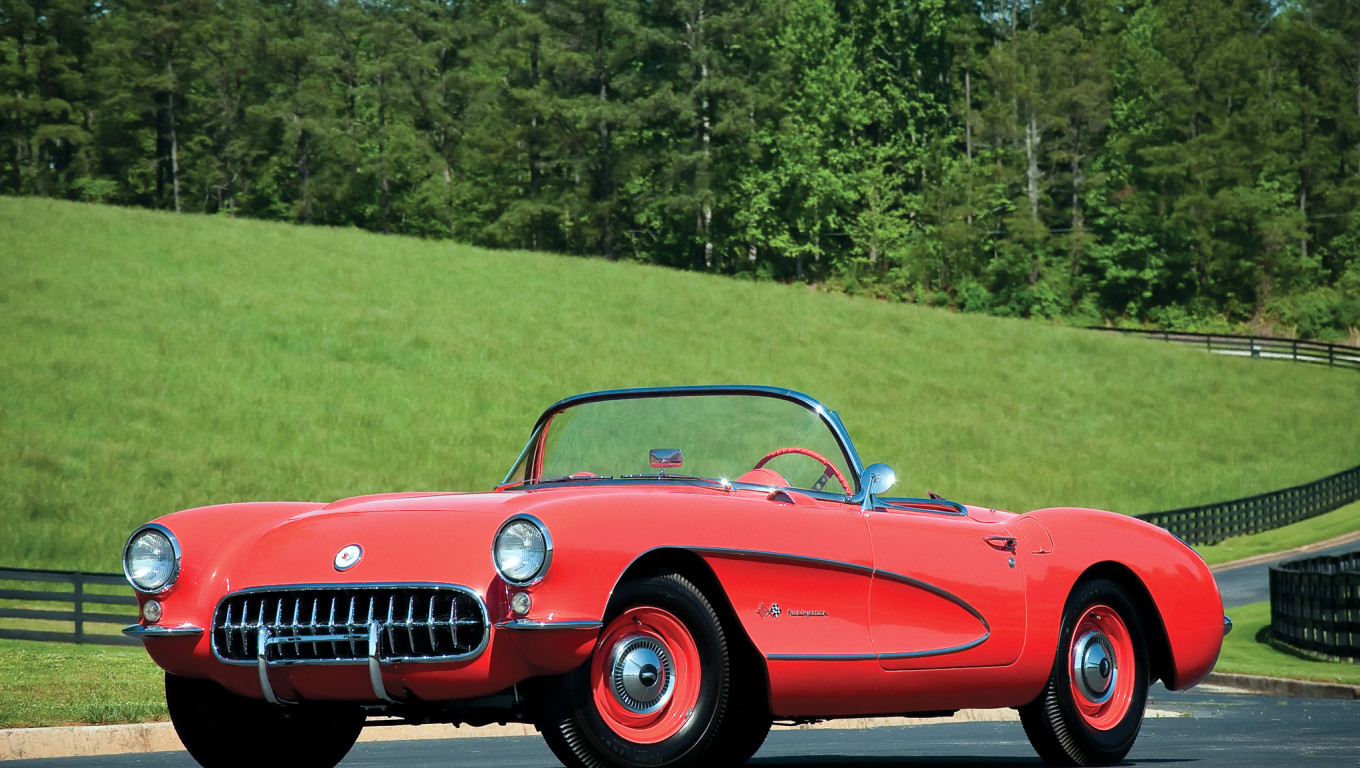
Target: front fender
1182, 590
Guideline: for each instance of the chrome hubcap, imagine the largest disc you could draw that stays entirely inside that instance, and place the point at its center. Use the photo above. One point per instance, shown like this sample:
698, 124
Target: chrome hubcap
641, 674
1093, 667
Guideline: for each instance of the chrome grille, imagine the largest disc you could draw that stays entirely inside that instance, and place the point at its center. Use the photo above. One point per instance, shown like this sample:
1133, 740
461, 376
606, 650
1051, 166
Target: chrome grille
306, 624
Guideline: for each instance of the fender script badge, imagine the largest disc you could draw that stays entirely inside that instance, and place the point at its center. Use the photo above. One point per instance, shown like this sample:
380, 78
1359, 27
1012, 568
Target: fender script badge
348, 557
774, 611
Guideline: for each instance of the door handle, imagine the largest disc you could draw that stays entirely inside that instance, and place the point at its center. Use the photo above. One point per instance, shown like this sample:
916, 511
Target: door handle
1001, 542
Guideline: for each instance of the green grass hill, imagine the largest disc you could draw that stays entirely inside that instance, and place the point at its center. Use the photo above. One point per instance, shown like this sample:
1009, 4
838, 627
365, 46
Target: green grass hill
150, 362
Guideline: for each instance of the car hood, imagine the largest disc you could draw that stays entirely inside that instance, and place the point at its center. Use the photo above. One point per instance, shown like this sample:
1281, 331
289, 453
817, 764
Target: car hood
404, 538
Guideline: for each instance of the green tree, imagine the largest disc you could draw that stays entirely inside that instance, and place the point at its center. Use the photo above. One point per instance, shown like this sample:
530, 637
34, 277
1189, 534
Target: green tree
44, 98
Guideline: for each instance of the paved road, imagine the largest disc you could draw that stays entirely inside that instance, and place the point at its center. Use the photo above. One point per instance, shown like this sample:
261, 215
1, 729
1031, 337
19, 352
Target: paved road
1219, 730
1251, 583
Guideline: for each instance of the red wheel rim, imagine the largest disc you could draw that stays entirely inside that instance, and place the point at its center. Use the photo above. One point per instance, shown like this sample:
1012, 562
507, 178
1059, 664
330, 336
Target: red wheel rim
1101, 663
645, 675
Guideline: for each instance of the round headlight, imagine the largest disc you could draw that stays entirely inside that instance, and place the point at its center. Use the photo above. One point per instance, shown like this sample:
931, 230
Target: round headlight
151, 559
522, 550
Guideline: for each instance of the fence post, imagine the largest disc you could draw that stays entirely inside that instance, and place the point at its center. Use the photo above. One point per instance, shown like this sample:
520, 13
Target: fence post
80, 606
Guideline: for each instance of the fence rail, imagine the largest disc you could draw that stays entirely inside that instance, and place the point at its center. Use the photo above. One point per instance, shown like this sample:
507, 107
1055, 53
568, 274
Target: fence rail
26, 587
1212, 523
1315, 604
1337, 355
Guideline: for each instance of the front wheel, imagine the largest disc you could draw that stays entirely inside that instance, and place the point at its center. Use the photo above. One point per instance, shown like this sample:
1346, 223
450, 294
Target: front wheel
222, 730
654, 693
1092, 706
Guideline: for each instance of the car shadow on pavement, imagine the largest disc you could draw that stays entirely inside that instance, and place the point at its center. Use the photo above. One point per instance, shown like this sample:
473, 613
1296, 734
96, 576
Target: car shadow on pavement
918, 761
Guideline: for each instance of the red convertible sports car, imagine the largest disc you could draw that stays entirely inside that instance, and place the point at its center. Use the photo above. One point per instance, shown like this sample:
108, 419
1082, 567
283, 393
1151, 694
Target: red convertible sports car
662, 575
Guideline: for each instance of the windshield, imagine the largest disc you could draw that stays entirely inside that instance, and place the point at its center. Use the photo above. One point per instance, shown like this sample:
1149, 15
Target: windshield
705, 435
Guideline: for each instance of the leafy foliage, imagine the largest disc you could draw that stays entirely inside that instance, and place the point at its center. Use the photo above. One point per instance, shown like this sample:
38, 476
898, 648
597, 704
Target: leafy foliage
1165, 162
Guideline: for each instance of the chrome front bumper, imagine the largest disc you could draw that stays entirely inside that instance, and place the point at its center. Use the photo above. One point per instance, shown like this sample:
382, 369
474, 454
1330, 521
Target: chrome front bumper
140, 632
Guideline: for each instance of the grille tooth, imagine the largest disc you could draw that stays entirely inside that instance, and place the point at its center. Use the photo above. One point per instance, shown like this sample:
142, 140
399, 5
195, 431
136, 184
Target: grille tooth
429, 622
349, 629
303, 628
410, 626
313, 623
226, 633
391, 620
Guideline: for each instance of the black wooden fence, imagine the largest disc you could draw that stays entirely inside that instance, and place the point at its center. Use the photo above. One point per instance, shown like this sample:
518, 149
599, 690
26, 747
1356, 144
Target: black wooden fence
1315, 604
1212, 523
37, 605
1338, 355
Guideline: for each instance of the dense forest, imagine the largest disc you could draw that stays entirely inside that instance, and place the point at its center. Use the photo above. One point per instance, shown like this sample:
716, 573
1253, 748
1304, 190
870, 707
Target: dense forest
1179, 163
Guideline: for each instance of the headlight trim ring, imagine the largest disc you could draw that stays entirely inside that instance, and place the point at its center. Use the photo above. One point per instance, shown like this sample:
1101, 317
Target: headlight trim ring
174, 567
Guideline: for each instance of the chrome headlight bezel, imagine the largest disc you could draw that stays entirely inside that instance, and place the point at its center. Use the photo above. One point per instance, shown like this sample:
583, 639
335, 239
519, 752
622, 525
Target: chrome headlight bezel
519, 578
175, 552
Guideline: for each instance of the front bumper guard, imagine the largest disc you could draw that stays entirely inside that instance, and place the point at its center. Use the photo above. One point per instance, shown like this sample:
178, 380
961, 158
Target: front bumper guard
368, 636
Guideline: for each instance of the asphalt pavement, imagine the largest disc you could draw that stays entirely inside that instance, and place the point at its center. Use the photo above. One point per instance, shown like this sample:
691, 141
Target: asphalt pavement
1215, 729
1251, 583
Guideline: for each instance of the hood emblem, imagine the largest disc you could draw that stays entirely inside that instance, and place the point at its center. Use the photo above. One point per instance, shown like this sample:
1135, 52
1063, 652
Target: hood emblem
348, 557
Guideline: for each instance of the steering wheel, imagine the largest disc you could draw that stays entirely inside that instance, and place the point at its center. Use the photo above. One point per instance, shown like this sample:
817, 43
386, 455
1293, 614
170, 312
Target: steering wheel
830, 472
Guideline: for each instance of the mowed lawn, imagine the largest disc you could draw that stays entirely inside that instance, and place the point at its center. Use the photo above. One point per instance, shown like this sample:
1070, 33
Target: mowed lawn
151, 362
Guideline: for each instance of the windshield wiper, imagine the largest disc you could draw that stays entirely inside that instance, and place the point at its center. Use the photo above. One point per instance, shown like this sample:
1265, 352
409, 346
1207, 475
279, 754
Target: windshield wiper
663, 475
564, 479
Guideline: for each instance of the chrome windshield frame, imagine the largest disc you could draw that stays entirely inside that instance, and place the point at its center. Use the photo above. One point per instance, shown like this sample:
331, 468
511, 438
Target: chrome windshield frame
828, 416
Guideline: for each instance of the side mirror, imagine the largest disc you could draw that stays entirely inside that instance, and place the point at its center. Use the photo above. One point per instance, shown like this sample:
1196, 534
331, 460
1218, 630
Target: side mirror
877, 478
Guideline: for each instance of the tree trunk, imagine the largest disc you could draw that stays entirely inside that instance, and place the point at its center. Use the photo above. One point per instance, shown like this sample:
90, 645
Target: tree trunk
173, 132
385, 199
606, 185
704, 218
535, 173
708, 137
968, 116
304, 173
968, 141
1303, 213
1078, 220
1032, 185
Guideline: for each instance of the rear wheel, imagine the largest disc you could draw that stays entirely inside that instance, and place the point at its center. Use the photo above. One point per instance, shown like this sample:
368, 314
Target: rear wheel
1091, 708
656, 689
223, 730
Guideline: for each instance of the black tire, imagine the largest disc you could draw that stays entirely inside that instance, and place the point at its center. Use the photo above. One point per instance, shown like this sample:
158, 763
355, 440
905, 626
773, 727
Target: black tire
620, 709
743, 734
223, 730
748, 720
1069, 724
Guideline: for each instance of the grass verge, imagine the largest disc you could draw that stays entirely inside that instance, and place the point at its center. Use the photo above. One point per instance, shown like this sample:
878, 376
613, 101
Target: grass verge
153, 362
1248, 651
46, 684
1326, 526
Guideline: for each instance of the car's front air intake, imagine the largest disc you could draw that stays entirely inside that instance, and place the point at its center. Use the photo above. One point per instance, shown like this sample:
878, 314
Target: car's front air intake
319, 624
